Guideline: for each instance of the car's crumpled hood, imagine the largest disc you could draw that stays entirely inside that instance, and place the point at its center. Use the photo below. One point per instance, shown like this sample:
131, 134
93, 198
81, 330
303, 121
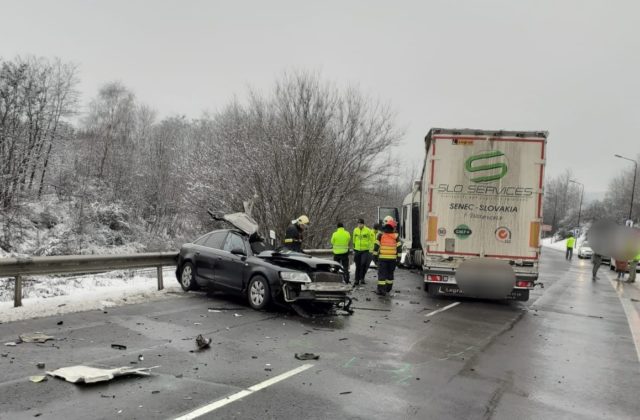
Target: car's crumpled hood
311, 262
242, 221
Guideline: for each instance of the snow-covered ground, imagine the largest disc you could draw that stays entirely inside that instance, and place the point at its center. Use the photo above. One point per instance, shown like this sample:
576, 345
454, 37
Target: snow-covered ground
49, 295
559, 245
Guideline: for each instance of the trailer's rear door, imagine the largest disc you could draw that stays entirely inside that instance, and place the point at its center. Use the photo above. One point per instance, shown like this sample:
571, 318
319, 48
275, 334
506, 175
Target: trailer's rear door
484, 196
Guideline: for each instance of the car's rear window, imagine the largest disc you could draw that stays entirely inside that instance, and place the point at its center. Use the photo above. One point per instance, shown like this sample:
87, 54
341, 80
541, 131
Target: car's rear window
215, 240
200, 240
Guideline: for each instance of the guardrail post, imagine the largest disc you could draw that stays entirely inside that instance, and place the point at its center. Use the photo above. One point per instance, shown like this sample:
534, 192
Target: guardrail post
17, 292
160, 281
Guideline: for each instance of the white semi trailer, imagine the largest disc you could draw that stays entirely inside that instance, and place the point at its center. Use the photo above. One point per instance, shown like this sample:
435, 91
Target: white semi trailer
479, 201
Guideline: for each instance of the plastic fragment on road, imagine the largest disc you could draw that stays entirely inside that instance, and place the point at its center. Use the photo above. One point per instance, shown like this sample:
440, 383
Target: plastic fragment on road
36, 337
10, 344
306, 356
37, 378
118, 346
237, 315
202, 343
90, 375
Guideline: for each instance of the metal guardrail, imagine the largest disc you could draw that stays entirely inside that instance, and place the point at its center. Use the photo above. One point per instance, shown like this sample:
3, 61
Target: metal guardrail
86, 264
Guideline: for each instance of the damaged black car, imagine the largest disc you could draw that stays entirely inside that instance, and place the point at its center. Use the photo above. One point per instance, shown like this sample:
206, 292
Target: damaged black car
237, 261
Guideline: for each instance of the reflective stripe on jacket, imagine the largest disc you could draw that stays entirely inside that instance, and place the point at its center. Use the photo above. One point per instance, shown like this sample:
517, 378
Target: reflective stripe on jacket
293, 238
387, 246
340, 241
362, 239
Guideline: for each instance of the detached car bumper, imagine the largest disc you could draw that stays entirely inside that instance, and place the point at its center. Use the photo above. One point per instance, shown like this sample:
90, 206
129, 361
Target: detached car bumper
320, 291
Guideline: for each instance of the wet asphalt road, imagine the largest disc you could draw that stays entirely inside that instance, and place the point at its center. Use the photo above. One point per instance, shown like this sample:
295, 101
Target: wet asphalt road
567, 353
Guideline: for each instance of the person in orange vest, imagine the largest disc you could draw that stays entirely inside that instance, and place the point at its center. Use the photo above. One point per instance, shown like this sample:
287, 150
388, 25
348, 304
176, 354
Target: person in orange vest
386, 253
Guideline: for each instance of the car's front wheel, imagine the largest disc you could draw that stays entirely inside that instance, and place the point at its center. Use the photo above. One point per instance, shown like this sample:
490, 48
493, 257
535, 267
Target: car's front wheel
187, 278
258, 293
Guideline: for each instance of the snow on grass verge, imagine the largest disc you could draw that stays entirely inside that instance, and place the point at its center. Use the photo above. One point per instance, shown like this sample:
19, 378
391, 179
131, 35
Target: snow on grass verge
47, 295
559, 245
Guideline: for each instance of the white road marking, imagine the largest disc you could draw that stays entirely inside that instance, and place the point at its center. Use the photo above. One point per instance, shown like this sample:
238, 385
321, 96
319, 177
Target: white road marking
442, 309
633, 318
238, 395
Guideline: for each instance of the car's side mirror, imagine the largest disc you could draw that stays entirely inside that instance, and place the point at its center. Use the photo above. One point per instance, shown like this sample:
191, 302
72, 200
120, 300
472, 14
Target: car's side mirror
238, 251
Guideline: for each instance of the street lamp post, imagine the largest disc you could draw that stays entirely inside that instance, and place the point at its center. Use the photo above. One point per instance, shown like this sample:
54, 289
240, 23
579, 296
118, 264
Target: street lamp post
581, 195
633, 187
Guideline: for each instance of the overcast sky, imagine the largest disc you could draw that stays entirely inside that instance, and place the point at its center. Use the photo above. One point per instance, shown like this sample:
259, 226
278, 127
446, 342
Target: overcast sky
569, 67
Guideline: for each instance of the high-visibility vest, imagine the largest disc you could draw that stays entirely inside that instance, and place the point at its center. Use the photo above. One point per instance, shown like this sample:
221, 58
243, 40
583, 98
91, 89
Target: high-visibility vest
571, 242
362, 239
340, 241
388, 246
637, 257
374, 235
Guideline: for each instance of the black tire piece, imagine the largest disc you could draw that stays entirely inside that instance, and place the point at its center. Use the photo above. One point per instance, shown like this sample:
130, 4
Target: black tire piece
258, 293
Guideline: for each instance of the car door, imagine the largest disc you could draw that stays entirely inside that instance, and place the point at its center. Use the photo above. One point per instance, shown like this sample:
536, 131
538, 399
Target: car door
207, 256
230, 270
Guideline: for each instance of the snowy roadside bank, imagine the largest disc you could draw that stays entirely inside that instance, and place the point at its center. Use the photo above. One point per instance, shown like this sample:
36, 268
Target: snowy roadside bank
558, 246
47, 295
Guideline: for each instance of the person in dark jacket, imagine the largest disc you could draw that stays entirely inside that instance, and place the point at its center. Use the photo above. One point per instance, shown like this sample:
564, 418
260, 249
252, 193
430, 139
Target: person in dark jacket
293, 235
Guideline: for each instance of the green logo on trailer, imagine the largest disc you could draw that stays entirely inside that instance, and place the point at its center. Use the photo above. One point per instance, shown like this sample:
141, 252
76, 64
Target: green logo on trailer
491, 171
462, 231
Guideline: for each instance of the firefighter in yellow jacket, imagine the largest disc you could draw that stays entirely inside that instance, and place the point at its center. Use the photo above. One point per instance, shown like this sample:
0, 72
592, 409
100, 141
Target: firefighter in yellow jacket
386, 252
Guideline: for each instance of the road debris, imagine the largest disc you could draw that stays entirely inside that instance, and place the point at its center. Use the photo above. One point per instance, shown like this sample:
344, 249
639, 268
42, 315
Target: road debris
90, 375
342, 339
40, 365
306, 356
214, 310
345, 393
10, 344
36, 337
237, 315
118, 346
373, 309
140, 358
155, 392
202, 343
60, 323
37, 378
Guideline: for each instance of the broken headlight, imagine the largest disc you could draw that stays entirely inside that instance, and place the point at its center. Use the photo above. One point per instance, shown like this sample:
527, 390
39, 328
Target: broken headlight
295, 276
